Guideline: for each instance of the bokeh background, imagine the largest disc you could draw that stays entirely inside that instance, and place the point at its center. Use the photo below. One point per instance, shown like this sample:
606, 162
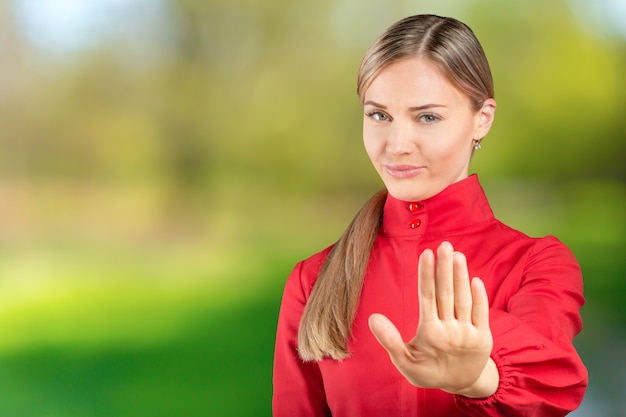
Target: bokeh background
165, 163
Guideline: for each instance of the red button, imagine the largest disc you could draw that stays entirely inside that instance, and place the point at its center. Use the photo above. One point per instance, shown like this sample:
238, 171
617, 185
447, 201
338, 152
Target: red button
415, 224
413, 207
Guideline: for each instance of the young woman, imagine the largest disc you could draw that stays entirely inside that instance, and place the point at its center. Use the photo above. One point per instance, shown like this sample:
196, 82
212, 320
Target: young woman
428, 305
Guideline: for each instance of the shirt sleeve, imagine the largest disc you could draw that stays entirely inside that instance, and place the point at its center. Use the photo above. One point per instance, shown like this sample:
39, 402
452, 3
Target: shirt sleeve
541, 373
298, 385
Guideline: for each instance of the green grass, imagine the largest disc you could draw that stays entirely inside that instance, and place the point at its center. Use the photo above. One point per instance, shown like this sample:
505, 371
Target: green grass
221, 367
108, 336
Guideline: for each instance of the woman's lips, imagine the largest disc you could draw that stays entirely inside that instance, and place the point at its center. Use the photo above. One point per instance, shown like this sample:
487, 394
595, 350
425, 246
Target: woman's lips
403, 171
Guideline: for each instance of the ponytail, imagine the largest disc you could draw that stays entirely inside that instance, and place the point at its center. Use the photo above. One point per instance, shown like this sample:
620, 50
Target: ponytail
326, 322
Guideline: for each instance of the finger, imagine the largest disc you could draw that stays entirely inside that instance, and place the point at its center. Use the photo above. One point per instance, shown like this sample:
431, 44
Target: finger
444, 285
462, 291
387, 335
426, 286
480, 304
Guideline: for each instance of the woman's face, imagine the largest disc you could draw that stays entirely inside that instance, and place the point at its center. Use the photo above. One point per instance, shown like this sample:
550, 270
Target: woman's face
418, 129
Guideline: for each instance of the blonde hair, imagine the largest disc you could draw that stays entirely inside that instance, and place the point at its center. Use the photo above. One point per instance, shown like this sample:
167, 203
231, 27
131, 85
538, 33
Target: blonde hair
326, 323
446, 42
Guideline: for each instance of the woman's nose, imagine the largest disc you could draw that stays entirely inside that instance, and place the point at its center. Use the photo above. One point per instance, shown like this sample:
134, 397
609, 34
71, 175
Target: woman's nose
400, 140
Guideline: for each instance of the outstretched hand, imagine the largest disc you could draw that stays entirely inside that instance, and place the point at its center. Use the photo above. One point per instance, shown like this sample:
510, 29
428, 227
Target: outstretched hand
453, 341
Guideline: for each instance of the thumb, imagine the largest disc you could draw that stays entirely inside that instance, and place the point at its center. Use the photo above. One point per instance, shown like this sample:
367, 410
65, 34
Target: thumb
387, 334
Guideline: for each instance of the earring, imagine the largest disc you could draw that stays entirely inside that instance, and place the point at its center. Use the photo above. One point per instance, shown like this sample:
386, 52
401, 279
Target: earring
476, 144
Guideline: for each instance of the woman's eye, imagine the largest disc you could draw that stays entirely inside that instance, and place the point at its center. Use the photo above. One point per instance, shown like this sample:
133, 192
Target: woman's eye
378, 116
428, 118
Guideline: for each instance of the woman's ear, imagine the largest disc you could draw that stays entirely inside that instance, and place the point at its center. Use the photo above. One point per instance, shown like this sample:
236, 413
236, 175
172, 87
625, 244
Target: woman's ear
486, 116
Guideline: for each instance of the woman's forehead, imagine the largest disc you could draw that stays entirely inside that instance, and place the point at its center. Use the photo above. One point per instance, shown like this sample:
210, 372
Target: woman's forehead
411, 79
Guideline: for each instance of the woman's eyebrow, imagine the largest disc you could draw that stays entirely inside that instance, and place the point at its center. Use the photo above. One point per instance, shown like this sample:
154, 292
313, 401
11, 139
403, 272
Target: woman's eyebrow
373, 103
412, 108
426, 106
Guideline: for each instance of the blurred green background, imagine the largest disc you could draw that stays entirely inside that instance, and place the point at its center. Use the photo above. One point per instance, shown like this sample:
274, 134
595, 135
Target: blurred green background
165, 163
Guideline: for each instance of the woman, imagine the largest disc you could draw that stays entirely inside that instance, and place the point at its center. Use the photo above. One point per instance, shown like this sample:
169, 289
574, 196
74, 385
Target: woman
498, 344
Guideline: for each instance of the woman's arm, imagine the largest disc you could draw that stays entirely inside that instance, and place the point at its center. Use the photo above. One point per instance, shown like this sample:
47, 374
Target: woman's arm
540, 371
531, 369
298, 388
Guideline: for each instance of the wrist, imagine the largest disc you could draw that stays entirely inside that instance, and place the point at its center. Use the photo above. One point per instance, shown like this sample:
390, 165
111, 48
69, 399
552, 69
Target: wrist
486, 384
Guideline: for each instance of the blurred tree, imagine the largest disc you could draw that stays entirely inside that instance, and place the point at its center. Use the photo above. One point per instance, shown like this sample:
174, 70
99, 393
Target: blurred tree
560, 89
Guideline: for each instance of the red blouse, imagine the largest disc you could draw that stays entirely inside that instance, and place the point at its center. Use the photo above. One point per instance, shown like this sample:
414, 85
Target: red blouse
535, 292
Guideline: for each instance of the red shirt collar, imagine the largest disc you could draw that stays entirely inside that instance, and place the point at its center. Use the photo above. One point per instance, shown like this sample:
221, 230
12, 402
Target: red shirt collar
458, 207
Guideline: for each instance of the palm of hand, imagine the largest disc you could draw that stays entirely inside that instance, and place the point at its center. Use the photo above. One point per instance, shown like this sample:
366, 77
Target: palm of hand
453, 342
